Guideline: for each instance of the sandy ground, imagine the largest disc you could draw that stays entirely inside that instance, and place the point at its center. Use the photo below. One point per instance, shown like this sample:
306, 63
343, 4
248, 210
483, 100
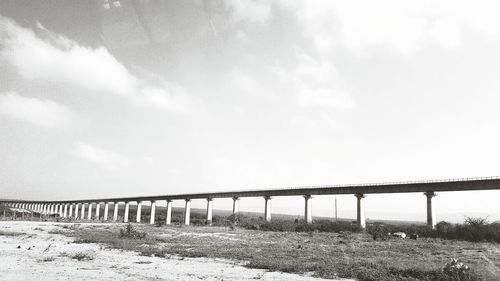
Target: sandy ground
45, 256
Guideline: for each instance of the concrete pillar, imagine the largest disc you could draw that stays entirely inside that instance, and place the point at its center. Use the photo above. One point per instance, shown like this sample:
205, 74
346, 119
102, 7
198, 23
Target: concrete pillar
360, 218
89, 214
61, 211
210, 204
51, 210
65, 211
82, 215
125, 216
308, 209
169, 212
152, 212
106, 209
70, 213
76, 210
236, 205
97, 210
431, 215
139, 206
187, 212
267, 208
45, 209
115, 211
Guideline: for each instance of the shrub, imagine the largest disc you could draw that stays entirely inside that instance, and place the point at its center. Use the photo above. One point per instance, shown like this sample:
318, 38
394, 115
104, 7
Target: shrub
456, 270
130, 232
83, 256
378, 232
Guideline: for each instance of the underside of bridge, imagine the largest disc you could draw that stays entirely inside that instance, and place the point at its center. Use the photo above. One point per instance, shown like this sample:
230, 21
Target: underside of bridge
91, 209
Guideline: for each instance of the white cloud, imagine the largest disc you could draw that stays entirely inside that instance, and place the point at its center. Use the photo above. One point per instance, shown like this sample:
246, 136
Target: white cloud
315, 83
403, 26
254, 11
245, 83
45, 113
61, 60
106, 159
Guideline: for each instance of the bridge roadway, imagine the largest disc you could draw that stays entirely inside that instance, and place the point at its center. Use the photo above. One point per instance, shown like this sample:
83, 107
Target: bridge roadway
359, 190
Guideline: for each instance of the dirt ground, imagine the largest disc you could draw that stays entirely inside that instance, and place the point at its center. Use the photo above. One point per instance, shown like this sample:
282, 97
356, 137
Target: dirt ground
30, 252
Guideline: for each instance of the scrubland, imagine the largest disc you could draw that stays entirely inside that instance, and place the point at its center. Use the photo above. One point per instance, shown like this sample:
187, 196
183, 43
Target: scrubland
323, 254
324, 249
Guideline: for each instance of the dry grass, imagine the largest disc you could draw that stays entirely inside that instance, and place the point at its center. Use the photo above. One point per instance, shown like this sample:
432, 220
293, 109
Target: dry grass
11, 233
80, 256
47, 259
328, 255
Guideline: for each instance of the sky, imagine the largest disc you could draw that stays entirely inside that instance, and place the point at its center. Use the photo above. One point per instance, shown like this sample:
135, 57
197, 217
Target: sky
132, 98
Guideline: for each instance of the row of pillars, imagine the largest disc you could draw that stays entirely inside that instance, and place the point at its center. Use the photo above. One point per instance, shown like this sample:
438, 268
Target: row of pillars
84, 211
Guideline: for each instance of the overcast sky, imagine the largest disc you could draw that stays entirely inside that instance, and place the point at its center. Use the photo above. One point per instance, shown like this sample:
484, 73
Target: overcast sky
106, 99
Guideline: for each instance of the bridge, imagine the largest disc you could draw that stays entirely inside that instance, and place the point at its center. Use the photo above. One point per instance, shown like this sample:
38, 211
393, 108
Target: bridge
84, 208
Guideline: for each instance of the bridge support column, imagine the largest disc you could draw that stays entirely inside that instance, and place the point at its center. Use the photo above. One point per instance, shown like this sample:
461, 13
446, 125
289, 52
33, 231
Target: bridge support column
82, 215
187, 212
308, 209
138, 214
51, 210
169, 212
125, 216
97, 210
89, 213
106, 210
210, 204
115, 211
76, 210
431, 215
65, 212
236, 205
360, 218
70, 213
152, 212
267, 208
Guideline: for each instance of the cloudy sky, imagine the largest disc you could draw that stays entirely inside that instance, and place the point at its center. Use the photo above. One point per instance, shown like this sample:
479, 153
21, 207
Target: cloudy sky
106, 98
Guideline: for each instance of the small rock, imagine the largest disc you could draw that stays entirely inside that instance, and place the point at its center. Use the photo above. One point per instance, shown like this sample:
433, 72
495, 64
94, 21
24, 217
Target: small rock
19, 247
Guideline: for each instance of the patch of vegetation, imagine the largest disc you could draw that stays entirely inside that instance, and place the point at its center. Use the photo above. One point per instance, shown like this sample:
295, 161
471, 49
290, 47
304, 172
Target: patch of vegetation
473, 229
130, 232
11, 233
83, 256
58, 231
47, 259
